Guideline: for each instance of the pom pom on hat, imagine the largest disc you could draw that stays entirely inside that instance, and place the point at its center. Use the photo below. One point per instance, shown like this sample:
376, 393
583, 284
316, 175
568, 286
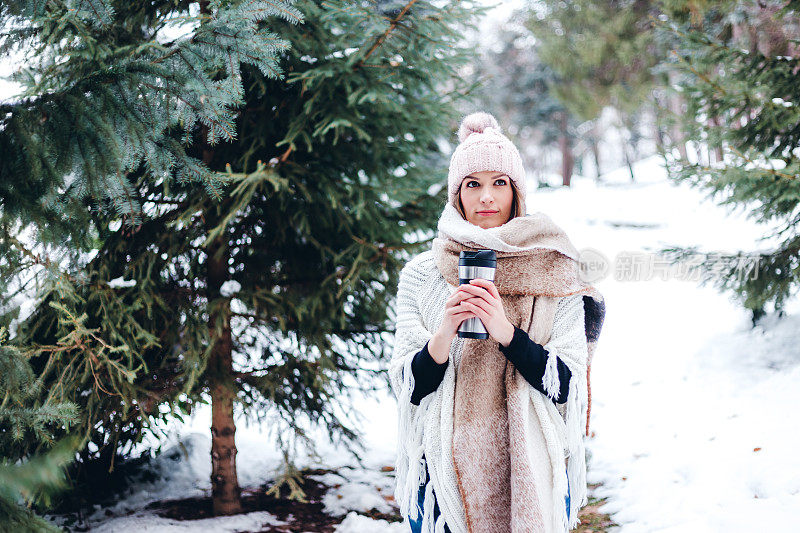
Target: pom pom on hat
476, 123
484, 147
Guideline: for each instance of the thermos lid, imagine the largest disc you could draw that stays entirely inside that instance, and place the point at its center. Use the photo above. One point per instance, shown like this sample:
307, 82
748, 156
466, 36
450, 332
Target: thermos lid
479, 258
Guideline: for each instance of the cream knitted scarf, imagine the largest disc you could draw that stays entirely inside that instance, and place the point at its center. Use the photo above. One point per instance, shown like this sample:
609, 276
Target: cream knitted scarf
536, 265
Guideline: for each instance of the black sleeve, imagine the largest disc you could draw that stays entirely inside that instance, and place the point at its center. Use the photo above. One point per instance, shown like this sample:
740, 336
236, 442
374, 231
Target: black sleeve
428, 374
530, 358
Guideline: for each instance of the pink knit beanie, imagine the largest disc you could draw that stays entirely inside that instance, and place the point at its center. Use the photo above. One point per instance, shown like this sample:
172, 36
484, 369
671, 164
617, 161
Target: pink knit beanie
483, 147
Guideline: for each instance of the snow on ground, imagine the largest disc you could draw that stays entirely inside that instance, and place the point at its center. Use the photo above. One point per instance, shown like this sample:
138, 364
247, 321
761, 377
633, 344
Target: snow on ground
183, 469
694, 414
146, 522
356, 523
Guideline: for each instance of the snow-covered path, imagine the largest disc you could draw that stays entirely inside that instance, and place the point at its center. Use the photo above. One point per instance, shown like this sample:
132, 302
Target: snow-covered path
694, 414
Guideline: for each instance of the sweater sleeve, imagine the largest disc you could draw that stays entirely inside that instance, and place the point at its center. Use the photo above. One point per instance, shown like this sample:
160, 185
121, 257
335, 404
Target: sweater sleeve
428, 374
530, 358
411, 335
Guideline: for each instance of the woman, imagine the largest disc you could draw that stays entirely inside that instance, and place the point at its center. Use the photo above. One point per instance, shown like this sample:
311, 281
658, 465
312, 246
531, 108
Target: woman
493, 441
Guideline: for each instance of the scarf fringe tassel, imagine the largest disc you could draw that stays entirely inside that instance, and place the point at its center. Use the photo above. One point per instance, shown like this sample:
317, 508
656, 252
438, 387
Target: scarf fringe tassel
576, 454
409, 469
550, 380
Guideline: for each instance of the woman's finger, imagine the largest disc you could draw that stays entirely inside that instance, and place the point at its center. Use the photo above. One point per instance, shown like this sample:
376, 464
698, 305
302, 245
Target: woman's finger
486, 298
477, 291
456, 298
457, 308
492, 288
488, 285
483, 313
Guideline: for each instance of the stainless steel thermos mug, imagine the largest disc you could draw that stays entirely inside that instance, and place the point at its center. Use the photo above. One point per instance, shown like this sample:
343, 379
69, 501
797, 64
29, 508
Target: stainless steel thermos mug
472, 265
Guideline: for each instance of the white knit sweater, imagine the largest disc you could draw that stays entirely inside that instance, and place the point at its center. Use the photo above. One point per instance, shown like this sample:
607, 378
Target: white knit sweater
428, 428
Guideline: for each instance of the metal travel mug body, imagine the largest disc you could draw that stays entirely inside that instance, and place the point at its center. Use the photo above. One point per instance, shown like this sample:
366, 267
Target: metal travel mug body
472, 265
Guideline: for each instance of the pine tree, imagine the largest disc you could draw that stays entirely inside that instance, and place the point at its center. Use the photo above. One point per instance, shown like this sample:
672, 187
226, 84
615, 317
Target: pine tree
739, 64
274, 297
103, 90
110, 99
517, 86
602, 52
28, 478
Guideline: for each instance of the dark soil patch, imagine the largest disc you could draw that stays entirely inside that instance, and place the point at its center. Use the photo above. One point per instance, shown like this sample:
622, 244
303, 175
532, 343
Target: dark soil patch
304, 516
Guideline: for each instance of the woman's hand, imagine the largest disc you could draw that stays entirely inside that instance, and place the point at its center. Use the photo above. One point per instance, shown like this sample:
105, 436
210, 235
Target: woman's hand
454, 315
486, 304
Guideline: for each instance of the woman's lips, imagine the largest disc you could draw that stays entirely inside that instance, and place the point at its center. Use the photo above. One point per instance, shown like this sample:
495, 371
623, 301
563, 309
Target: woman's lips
486, 213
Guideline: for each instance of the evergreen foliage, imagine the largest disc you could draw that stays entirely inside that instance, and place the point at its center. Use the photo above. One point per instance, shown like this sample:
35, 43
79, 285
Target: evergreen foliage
273, 294
604, 55
103, 91
739, 63
111, 97
314, 239
602, 52
25, 478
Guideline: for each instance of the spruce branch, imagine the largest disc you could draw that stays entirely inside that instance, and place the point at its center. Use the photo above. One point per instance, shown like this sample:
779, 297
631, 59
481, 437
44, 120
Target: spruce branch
385, 35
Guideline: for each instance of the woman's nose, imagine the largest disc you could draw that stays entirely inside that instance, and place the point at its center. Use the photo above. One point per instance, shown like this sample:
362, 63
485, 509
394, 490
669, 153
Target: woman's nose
486, 195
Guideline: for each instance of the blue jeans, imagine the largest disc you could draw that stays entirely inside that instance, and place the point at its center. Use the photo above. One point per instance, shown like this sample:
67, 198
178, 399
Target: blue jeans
566, 498
416, 525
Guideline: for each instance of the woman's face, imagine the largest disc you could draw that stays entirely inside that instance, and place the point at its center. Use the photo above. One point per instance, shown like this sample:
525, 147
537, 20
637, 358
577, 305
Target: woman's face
487, 198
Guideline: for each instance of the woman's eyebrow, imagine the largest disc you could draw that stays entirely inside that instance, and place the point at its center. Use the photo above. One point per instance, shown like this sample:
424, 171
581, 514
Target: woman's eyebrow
470, 176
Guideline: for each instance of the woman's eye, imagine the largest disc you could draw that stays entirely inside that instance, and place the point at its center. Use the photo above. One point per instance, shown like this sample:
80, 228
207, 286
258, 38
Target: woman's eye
501, 179
471, 182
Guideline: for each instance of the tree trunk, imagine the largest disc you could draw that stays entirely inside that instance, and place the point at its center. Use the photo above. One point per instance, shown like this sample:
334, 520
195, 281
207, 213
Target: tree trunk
675, 105
567, 160
593, 143
658, 133
225, 491
628, 161
713, 122
226, 494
